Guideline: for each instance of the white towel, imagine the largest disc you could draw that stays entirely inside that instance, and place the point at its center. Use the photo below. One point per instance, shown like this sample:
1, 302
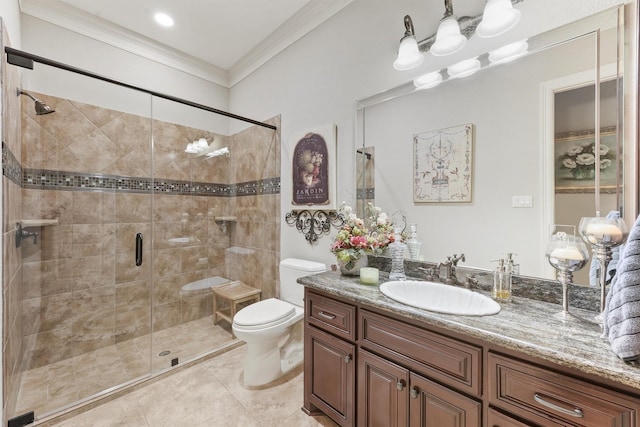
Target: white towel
622, 308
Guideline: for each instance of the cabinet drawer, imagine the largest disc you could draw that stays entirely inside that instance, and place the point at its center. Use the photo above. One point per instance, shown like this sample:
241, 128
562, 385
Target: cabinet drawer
498, 419
545, 396
331, 315
444, 359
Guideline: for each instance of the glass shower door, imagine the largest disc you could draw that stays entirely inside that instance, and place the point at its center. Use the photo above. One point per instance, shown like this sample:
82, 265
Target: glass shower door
85, 313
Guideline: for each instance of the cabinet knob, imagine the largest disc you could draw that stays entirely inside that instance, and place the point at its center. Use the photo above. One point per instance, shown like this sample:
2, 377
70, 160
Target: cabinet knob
414, 393
400, 385
347, 358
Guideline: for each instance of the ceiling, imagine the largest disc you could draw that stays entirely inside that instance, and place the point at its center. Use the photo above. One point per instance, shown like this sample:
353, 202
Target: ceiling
220, 40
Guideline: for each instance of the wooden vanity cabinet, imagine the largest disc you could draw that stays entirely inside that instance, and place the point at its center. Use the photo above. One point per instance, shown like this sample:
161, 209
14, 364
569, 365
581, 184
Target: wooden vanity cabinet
366, 368
329, 358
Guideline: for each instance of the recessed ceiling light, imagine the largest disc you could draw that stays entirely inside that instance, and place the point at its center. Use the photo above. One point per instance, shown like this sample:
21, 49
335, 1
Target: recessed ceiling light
163, 19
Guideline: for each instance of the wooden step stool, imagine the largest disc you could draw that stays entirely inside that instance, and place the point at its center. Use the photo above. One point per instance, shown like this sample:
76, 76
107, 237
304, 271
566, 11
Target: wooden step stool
234, 294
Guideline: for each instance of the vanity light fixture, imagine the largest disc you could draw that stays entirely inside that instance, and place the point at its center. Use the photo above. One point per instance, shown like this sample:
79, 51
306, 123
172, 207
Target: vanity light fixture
409, 56
163, 19
449, 40
498, 17
508, 52
464, 68
428, 81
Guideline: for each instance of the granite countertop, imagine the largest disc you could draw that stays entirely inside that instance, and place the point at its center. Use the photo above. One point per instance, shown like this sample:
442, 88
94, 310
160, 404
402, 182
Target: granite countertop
524, 325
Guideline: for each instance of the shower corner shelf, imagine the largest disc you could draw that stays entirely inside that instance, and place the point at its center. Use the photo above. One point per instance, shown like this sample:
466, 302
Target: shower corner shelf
225, 221
38, 222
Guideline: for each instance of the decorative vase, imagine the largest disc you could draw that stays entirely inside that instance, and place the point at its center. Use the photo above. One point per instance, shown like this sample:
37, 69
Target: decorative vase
583, 174
353, 266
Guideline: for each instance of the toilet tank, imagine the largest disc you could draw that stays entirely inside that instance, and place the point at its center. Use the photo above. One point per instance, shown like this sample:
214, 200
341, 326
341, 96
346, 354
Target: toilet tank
290, 270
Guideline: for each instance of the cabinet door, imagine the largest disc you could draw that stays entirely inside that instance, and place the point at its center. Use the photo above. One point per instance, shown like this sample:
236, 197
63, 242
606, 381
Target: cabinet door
382, 392
432, 405
329, 378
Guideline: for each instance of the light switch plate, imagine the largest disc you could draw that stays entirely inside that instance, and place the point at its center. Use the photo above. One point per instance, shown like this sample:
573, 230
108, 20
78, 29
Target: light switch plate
522, 201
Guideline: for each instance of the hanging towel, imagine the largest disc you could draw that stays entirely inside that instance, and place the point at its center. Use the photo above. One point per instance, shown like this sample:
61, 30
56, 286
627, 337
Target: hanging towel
621, 319
594, 269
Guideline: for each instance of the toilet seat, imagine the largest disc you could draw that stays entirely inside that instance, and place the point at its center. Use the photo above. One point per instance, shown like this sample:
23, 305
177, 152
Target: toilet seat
264, 314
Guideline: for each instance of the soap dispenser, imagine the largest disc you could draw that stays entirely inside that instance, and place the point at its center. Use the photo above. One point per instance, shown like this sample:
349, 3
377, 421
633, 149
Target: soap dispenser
511, 266
501, 282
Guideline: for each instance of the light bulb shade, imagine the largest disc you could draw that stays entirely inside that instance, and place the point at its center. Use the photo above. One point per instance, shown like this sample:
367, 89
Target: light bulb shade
464, 68
499, 17
448, 38
428, 81
409, 55
508, 52
602, 231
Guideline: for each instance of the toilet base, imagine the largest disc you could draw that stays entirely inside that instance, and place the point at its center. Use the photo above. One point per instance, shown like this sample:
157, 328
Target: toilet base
267, 362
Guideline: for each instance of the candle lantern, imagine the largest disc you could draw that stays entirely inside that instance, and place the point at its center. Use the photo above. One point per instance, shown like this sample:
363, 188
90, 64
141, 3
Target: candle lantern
566, 254
603, 234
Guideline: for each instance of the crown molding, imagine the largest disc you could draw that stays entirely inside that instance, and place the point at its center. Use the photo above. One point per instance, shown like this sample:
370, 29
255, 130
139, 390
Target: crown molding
305, 20
76, 20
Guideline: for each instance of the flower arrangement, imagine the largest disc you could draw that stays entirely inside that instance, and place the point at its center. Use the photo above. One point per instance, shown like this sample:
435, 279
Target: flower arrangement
359, 236
580, 160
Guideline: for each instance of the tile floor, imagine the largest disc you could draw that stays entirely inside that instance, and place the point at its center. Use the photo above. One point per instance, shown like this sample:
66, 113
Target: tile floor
207, 394
48, 388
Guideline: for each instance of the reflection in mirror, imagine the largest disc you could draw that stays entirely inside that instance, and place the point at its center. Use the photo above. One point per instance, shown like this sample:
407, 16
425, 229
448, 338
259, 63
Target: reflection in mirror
365, 178
574, 165
511, 108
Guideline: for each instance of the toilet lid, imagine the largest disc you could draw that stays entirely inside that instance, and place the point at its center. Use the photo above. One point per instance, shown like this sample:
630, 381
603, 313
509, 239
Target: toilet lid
266, 311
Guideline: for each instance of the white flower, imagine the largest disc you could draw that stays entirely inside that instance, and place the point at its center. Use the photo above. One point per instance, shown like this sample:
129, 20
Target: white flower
377, 209
382, 219
585, 159
605, 163
575, 149
604, 150
569, 163
352, 216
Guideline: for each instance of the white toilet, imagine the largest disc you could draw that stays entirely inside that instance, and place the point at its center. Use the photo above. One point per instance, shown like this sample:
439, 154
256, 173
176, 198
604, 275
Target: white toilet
272, 328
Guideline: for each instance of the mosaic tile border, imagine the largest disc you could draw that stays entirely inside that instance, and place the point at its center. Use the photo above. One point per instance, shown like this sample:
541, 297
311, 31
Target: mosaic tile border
11, 167
44, 179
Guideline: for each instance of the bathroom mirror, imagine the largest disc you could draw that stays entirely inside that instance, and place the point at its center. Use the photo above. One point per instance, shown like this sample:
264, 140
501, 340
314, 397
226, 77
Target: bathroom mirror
510, 108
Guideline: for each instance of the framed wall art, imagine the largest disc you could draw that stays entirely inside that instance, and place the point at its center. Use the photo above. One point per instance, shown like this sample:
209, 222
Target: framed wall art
575, 161
314, 169
443, 165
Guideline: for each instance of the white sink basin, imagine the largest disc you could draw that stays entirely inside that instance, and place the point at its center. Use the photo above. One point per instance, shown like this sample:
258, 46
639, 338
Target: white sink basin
440, 298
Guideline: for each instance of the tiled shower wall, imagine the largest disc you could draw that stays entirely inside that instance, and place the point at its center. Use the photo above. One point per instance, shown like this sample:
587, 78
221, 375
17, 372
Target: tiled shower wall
90, 169
11, 207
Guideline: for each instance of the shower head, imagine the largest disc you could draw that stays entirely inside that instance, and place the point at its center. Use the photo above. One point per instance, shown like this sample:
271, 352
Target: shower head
41, 107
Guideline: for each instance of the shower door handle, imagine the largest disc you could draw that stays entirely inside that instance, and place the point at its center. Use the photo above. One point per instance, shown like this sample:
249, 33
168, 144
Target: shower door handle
139, 249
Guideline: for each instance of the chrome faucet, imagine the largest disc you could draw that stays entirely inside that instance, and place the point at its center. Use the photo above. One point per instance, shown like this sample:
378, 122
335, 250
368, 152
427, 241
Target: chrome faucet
448, 274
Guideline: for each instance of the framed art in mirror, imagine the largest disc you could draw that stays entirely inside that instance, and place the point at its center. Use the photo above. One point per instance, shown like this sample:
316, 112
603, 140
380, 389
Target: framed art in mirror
575, 161
443, 164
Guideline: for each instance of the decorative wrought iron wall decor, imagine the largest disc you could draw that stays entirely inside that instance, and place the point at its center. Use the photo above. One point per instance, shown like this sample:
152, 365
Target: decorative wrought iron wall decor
314, 224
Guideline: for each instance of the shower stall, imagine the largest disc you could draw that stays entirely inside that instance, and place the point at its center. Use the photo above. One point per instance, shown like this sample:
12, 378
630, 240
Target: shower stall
121, 208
